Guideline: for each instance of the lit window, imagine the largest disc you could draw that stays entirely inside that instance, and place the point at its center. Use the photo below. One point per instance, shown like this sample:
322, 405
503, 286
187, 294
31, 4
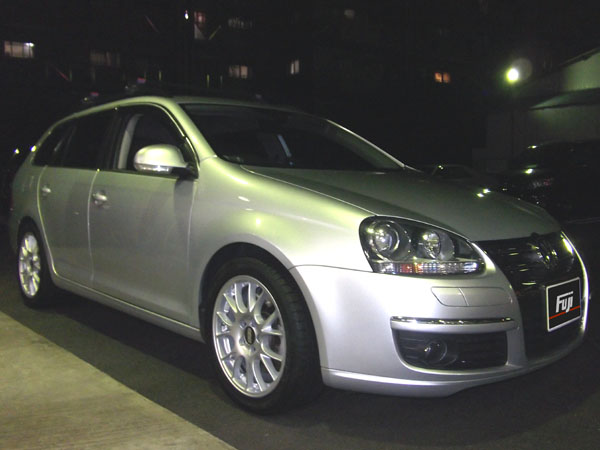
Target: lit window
239, 71
18, 49
239, 23
199, 25
108, 59
442, 77
294, 67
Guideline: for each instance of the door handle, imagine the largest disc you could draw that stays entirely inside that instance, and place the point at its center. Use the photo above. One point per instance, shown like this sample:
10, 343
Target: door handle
45, 191
99, 198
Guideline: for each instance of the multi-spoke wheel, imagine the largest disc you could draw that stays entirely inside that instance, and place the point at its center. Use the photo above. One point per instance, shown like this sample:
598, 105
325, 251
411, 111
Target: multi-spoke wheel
34, 279
30, 267
249, 336
262, 335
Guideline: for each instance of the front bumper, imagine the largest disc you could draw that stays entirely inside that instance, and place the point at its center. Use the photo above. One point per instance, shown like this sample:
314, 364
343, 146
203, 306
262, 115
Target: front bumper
359, 316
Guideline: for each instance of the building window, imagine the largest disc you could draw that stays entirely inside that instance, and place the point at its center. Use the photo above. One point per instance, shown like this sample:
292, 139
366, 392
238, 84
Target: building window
349, 14
294, 67
18, 49
107, 59
442, 77
239, 71
199, 25
239, 23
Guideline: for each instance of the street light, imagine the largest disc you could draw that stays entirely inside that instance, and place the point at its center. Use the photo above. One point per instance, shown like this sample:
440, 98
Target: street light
519, 71
513, 75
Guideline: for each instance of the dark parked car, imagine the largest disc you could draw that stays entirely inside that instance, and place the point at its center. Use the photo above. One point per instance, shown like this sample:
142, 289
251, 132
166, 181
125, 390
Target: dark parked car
561, 177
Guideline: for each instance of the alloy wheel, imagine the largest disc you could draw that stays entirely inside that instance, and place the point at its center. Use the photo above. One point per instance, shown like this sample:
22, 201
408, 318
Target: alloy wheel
249, 336
30, 266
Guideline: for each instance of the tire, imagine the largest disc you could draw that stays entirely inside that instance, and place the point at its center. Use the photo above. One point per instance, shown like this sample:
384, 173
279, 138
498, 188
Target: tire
263, 341
33, 274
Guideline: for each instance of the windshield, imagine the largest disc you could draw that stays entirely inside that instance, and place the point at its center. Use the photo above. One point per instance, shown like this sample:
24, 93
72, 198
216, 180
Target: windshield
273, 138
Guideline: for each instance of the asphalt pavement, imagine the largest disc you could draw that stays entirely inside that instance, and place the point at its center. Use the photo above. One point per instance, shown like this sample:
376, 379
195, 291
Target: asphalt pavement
129, 384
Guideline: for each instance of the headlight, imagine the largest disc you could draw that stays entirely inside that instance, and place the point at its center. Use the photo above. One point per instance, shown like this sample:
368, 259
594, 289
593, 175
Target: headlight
401, 247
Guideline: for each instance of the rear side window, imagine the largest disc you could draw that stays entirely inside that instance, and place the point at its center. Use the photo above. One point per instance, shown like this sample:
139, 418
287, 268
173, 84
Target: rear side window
87, 142
79, 143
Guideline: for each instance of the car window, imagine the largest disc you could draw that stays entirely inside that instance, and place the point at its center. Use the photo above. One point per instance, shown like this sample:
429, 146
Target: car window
87, 141
273, 138
49, 149
144, 126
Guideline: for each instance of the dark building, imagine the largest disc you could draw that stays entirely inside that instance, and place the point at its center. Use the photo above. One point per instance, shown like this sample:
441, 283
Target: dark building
404, 73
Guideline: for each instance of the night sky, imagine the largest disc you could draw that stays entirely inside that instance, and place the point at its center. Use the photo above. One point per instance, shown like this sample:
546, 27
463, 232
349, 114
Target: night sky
496, 32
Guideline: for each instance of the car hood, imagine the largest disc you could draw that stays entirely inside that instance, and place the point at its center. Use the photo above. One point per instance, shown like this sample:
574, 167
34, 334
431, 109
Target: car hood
469, 211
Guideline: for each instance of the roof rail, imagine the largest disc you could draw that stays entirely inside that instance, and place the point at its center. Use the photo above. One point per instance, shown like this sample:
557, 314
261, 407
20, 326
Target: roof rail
165, 90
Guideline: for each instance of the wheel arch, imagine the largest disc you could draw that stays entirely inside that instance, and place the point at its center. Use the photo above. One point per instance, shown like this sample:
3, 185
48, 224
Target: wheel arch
28, 220
25, 222
226, 253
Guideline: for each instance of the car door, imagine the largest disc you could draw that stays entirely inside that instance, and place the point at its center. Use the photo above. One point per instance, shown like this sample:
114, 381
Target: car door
73, 155
139, 222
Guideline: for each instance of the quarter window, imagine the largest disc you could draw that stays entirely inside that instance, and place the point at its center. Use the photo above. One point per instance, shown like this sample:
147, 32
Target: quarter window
47, 153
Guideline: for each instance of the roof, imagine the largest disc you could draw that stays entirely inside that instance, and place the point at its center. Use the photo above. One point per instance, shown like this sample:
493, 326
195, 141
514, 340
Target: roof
573, 98
165, 90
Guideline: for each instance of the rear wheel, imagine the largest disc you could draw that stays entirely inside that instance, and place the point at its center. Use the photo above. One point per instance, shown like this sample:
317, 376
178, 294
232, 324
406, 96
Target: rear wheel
34, 279
264, 346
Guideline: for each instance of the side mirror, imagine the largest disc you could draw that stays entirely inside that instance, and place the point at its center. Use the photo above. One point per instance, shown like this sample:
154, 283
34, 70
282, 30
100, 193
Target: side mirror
161, 159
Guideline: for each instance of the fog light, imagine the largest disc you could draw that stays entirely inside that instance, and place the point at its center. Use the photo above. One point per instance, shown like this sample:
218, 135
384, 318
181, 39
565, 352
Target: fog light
436, 353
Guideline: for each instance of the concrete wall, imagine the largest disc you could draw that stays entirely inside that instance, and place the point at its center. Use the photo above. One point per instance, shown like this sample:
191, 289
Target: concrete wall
509, 132
581, 74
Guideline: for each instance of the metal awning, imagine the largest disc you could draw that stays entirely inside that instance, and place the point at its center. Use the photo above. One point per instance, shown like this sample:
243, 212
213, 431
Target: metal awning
574, 98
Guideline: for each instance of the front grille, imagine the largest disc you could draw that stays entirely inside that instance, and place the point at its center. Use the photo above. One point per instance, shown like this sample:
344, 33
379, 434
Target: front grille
445, 351
531, 264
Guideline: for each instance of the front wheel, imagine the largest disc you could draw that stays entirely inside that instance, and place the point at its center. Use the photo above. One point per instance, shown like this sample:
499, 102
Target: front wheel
264, 345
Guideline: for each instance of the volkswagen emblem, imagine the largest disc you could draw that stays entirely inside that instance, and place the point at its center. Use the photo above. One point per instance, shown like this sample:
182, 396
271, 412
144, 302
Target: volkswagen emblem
249, 335
546, 251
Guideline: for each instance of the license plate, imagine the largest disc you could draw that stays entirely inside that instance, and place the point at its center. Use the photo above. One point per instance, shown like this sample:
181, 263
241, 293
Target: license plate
563, 303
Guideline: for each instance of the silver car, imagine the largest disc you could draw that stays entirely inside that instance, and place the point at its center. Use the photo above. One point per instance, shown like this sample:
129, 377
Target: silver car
299, 252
